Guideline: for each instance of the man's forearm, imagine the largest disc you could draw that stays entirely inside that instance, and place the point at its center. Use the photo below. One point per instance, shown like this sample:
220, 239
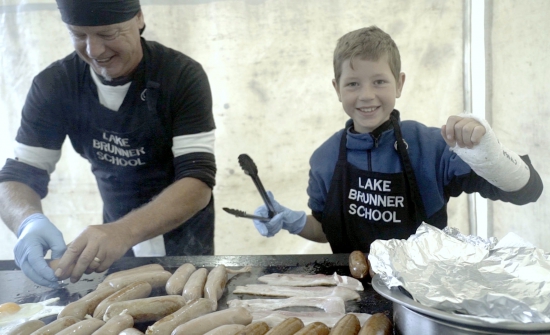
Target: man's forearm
17, 202
172, 207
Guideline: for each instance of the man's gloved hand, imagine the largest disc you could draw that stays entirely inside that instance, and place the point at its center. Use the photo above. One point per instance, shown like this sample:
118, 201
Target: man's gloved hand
37, 235
284, 218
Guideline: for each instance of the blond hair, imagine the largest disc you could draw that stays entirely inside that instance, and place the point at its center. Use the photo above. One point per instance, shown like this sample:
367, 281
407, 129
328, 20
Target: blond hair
368, 43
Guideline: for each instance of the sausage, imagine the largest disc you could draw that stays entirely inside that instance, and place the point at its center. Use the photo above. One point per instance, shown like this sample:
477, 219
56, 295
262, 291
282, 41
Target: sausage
348, 325
215, 284
115, 325
207, 322
225, 330
87, 304
56, 326
358, 265
130, 331
53, 265
84, 327
155, 278
287, 327
314, 328
136, 270
192, 310
137, 290
146, 309
255, 328
177, 281
26, 328
194, 287
377, 324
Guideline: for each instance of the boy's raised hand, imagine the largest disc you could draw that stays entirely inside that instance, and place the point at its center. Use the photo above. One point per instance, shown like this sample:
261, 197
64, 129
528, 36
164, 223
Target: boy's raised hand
462, 131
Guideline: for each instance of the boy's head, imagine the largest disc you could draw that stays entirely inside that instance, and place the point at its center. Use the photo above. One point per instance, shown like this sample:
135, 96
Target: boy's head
367, 76
370, 43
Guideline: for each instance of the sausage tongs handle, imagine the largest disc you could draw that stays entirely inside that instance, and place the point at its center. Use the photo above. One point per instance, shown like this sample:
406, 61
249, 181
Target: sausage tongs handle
248, 166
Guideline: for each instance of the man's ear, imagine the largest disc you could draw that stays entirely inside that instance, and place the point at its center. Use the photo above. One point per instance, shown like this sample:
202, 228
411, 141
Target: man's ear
141, 19
399, 85
337, 89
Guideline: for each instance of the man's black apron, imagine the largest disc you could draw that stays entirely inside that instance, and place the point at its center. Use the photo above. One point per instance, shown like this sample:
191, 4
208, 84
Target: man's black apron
132, 160
363, 206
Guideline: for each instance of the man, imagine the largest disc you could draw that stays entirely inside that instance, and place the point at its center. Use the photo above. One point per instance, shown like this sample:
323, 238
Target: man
141, 114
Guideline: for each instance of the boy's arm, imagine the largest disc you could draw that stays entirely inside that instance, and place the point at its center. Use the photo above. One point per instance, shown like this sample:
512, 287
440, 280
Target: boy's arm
473, 140
313, 230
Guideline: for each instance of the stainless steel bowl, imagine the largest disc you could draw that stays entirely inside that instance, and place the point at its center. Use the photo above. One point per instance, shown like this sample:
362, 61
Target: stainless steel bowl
412, 318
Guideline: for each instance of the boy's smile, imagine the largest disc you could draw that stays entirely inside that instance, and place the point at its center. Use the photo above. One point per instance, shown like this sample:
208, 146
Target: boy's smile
368, 92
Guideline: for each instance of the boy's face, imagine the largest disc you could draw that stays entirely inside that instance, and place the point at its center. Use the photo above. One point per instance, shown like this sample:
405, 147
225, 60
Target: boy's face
368, 92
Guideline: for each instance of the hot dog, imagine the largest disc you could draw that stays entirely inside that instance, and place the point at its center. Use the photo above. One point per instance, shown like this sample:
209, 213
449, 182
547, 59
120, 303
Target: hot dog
136, 270
225, 330
137, 290
84, 327
130, 331
314, 328
115, 325
194, 287
358, 265
27, 328
255, 328
347, 325
192, 310
146, 309
87, 304
287, 327
215, 284
155, 278
205, 323
177, 281
56, 326
377, 324
53, 265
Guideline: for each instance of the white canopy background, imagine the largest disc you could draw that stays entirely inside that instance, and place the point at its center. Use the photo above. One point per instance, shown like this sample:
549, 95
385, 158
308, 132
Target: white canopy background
270, 67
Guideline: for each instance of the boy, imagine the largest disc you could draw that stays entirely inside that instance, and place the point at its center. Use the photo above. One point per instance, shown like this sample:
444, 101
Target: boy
379, 177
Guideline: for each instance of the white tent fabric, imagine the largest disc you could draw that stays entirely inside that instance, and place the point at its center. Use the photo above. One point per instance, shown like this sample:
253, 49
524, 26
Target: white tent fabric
270, 67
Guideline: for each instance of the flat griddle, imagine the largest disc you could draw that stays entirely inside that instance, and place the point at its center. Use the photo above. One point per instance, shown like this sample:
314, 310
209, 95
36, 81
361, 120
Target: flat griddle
15, 287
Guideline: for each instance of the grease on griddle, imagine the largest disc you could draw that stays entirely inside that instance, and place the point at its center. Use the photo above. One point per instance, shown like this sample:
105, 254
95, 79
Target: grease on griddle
276, 269
325, 267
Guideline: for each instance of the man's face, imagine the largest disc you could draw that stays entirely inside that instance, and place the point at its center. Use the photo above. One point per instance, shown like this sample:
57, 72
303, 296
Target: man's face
112, 51
368, 92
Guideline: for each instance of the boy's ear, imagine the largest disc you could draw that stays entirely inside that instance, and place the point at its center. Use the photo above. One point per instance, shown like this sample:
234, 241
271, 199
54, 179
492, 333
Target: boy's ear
337, 89
399, 86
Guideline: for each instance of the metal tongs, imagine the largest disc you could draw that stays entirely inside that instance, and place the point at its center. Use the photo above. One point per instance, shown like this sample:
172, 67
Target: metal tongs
249, 168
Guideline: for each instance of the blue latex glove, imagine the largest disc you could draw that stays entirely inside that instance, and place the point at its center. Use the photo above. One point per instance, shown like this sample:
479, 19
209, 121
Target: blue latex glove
285, 218
37, 235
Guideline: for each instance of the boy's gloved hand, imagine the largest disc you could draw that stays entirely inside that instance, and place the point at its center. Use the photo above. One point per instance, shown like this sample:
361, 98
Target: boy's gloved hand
36, 236
285, 218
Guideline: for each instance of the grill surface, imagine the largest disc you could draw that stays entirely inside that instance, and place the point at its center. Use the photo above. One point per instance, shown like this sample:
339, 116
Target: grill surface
17, 288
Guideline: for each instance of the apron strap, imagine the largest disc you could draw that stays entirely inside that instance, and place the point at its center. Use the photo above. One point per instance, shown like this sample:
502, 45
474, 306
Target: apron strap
402, 146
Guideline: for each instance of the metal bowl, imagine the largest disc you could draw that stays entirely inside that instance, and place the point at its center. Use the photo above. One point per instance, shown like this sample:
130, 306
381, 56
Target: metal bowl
411, 317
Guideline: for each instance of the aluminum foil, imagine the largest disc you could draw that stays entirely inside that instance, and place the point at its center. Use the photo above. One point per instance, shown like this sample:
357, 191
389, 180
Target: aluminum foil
496, 281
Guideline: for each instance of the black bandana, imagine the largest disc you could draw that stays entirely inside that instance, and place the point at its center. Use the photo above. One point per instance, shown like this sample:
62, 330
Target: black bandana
97, 12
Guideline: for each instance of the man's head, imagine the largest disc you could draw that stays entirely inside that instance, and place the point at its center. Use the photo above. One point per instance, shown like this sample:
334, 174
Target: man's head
105, 34
367, 77
366, 43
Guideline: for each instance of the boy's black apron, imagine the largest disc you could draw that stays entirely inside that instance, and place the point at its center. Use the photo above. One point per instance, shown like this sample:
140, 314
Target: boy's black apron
131, 157
363, 205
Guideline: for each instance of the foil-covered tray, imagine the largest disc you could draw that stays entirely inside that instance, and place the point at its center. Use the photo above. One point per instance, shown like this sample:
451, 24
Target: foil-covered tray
398, 297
